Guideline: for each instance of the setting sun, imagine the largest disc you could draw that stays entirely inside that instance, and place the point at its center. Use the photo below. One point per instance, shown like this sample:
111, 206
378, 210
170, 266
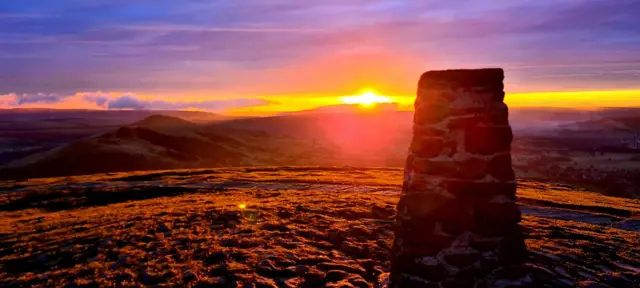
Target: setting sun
365, 99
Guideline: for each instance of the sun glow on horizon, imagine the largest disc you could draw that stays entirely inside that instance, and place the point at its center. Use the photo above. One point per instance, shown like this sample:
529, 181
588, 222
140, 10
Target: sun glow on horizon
366, 99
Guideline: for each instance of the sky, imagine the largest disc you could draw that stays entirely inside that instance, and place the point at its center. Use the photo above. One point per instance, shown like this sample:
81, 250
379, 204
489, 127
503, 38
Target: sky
261, 57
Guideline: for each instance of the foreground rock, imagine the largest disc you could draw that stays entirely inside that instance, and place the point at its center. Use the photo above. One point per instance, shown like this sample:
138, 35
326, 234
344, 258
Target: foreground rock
457, 216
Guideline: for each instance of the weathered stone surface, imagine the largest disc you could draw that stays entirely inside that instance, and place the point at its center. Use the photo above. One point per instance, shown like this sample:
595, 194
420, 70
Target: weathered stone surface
423, 183
513, 250
468, 111
462, 260
428, 97
484, 245
431, 272
488, 139
463, 223
472, 272
416, 224
426, 131
463, 118
419, 248
492, 229
471, 168
458, 283
446, 168
457, 202
510, 272
466, 121
498, 213
489, 78
480, 192
450, 148
499, 114
418, 183
430, 115
411, 265
409, 161
409, 282
489, 264
500, 167
422, 205
427, 146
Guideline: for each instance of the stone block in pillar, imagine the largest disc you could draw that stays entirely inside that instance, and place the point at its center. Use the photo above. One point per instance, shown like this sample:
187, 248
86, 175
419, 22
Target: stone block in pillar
457, 221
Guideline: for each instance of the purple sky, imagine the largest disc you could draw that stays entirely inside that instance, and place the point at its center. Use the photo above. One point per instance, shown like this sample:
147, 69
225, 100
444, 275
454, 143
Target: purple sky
239, 49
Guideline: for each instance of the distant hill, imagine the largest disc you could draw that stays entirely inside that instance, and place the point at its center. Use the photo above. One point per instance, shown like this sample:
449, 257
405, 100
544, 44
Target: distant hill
337, 135
359, 139
164, 142
162, 121
78, 118
24, 132
627, 124
157, 142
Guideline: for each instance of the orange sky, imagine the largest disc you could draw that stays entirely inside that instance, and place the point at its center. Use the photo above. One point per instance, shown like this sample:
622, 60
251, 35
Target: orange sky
283, 103
583, 99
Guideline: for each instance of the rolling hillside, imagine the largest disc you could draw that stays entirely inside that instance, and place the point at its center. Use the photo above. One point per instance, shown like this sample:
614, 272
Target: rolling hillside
164, 142
157, 142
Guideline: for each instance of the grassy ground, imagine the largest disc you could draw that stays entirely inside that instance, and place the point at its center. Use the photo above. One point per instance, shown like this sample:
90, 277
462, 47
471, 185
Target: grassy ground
166, 229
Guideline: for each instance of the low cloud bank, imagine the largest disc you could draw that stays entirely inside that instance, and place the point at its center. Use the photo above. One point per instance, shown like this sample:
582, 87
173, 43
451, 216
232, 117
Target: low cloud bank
113, 101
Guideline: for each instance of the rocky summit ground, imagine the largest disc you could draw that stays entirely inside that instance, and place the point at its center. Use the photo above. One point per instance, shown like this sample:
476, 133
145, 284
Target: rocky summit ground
274, 227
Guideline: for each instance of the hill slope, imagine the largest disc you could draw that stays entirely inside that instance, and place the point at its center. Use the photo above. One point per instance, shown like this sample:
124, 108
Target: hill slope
157, 142
164, 142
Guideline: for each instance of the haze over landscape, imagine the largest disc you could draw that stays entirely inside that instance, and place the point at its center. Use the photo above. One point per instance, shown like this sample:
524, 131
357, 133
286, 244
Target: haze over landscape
249, 143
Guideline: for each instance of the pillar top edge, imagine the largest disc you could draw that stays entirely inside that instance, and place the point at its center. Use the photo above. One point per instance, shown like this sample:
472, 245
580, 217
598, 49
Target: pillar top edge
462, 77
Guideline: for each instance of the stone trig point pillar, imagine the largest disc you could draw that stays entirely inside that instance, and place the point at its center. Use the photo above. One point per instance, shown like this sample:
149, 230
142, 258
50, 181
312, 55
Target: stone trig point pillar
457, 219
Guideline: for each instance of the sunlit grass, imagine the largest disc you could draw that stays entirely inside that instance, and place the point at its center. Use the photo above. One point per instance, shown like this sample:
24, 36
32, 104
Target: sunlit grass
170, 235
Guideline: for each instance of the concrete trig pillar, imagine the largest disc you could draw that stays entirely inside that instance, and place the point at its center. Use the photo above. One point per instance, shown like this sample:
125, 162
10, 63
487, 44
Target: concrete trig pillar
457, 217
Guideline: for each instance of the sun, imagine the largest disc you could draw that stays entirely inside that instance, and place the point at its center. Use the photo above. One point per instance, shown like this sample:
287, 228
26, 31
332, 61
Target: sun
366, 99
